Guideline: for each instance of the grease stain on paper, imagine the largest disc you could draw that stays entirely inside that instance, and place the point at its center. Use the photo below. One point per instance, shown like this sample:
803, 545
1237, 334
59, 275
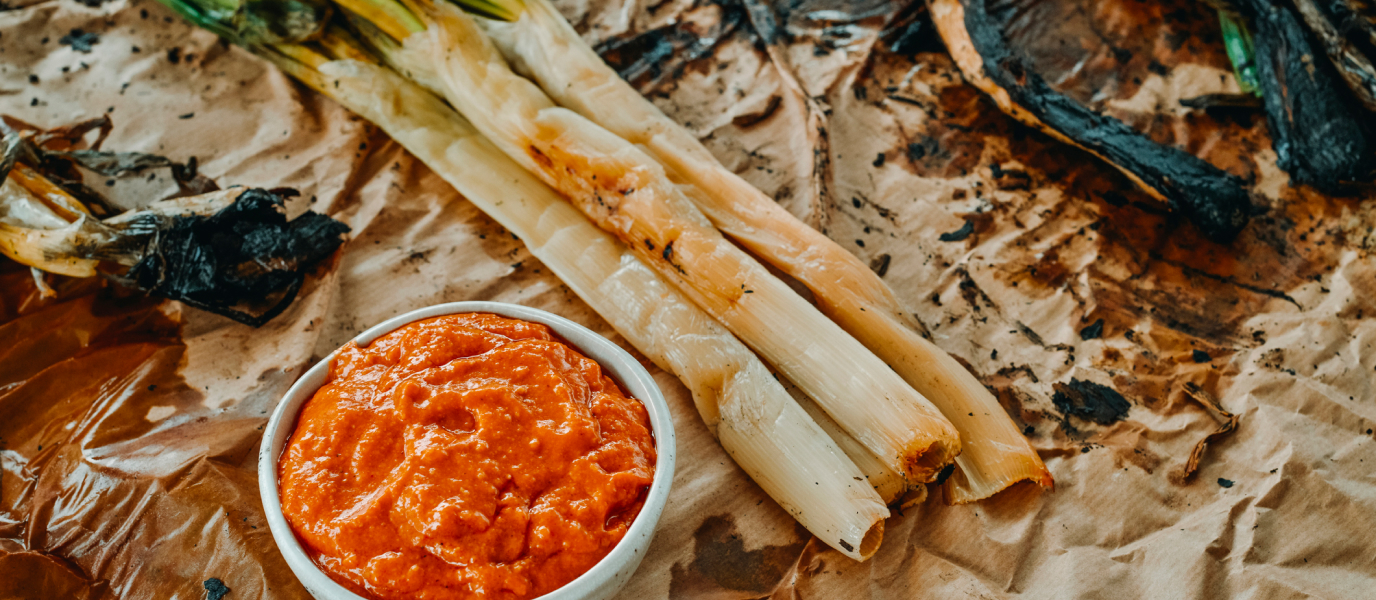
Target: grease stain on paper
722, 560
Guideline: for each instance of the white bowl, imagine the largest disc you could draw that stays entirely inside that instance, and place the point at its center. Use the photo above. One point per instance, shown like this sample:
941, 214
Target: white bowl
605, 578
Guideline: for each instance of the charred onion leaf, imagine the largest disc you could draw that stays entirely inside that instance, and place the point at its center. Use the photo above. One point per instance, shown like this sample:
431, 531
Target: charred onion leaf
50, 151
114, 164
118, 163
232, 252
1208, 101
1356, 15
245, 262
1214, 201
14, 146
1321, 137
1090, 401
1349, 48
254, 23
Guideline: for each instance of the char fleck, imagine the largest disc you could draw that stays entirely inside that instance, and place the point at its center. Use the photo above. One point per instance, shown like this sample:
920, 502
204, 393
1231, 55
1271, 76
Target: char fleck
80, 40
959, 234
1093, 331
880, 264
1090, 401
215, 589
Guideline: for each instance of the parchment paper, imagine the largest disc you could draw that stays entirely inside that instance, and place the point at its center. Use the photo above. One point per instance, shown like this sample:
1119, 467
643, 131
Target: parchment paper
128, 428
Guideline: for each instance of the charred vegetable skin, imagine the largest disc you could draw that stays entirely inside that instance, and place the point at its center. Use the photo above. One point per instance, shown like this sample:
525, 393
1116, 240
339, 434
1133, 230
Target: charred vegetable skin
1216, 202
246, 262
1350, 40
1322, 137
231, 252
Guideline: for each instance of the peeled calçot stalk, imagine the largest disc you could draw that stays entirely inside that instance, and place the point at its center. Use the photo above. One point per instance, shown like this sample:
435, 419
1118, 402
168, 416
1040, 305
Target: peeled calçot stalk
770, 436
995, 455
626, 192
758, 424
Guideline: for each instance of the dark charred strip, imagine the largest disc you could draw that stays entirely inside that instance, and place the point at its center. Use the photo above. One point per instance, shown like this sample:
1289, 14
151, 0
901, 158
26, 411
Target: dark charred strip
1012, 371
1092, 331
1357, 16
747, 121
912, 32
1321, 136
880, 264
246, 262
1214, 201
1349, 48
1226, 101
652, 57
906, 100
960, 234
668, 256
1090, 401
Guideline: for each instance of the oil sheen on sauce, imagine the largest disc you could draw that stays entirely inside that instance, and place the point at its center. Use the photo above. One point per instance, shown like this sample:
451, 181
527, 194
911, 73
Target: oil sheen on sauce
465, 456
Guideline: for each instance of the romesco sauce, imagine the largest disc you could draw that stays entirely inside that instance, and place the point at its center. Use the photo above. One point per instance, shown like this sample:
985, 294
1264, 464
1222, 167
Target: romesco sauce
465, 456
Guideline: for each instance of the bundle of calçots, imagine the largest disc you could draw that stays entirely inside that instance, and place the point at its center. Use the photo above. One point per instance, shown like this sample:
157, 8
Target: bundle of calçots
633, 214
231, 252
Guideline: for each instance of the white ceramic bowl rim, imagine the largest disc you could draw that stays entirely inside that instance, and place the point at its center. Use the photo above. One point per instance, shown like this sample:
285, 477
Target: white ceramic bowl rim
615, 362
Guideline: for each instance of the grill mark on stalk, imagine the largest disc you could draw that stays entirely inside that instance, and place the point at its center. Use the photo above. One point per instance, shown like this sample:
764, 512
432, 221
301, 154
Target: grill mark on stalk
668, 255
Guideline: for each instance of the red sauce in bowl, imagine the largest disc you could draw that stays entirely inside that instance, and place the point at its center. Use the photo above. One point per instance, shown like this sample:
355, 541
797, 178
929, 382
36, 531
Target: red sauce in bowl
465, 456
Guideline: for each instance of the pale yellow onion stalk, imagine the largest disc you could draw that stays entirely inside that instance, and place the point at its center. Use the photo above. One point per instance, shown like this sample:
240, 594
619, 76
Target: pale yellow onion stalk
33, 234
48, 250
542, 45
627, 193
57, 199
758, 424
36, 225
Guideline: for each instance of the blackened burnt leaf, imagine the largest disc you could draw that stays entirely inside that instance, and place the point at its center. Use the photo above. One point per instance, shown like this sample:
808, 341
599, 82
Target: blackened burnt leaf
649, 58
1358, 16
912, 32
1215, 201
1350, 48
1090, 401
115, 164
66, 136
14, 147
1322, 138
245, 262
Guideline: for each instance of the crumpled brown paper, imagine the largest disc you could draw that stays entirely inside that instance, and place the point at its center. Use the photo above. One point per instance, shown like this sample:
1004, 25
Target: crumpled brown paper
128, 428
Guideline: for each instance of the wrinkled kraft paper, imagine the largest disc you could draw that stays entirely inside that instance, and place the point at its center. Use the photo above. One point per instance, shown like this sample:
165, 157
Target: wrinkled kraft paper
129, 427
